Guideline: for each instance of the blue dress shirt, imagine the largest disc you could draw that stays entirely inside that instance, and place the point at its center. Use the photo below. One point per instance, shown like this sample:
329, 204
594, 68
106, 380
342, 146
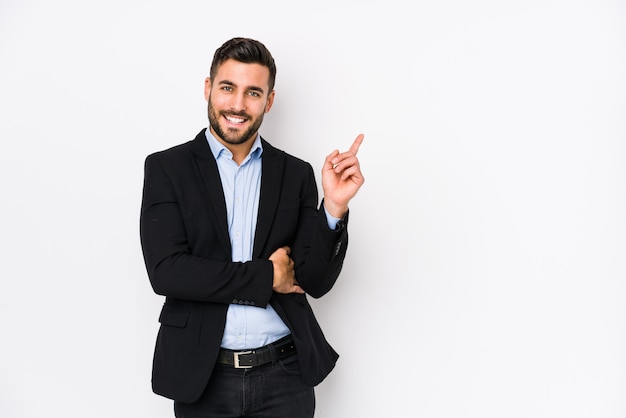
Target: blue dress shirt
247, 327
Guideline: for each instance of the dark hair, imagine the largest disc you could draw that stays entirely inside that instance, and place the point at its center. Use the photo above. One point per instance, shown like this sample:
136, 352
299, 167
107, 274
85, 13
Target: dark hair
245, 50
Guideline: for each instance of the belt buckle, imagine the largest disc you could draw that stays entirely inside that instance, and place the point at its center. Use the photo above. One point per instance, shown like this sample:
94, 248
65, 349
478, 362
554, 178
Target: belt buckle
236, 359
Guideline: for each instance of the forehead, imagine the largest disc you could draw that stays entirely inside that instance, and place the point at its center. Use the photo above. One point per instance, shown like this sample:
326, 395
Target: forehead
243, 74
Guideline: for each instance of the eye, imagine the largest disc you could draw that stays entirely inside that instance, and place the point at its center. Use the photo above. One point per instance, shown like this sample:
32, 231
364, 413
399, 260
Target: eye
254, 94
227, 88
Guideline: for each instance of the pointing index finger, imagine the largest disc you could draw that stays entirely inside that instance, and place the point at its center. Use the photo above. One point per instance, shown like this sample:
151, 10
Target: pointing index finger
357, 143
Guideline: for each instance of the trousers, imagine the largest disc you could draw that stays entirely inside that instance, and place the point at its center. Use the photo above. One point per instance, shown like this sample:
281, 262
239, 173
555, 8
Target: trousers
273, 390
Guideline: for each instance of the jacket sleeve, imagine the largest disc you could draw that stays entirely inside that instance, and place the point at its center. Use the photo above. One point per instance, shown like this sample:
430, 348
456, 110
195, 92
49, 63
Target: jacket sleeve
174, 268
318, 251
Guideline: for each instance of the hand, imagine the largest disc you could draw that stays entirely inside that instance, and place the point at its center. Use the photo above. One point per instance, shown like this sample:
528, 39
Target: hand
341, 178
284, 273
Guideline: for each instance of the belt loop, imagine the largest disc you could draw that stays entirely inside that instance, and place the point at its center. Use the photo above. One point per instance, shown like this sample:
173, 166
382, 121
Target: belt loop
273, 354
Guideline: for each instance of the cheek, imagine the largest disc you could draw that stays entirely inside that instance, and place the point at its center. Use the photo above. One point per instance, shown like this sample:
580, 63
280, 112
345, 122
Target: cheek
255, 108
219, 105
216, 102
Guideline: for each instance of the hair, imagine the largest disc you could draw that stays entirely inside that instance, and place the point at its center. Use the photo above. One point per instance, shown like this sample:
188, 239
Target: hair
245, 50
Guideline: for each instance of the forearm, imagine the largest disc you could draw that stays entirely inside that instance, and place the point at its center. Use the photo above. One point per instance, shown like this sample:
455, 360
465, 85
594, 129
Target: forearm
322, 260
184, 276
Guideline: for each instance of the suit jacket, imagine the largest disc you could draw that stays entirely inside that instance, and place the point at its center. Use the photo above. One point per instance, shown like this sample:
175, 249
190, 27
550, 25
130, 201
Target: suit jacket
187, 252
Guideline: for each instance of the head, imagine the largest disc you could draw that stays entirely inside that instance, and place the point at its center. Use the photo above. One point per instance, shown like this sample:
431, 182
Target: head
240, 89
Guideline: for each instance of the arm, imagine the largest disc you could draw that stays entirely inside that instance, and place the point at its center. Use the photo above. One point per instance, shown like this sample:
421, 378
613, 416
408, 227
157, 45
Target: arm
180, 263
324, 249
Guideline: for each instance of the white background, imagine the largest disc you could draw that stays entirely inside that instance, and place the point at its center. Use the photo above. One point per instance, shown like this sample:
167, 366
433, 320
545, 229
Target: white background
485, 275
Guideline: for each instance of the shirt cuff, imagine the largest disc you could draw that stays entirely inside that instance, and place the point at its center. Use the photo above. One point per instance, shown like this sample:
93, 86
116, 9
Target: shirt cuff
331, 220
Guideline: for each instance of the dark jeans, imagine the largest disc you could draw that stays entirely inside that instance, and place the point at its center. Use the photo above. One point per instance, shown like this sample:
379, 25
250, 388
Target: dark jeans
273, 390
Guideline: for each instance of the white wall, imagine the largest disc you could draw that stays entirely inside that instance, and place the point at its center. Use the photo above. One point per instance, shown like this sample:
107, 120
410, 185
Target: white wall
486, 274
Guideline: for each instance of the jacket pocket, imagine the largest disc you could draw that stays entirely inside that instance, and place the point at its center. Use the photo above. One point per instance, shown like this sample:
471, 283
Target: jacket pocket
173, 318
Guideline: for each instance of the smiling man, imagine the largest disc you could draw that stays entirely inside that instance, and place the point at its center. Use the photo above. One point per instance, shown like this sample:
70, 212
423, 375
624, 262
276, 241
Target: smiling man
234, 237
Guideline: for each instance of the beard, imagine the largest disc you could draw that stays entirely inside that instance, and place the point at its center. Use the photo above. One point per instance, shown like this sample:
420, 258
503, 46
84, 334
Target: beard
233, 136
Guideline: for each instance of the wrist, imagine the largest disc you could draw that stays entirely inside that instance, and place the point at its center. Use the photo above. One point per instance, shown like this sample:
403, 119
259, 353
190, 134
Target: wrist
334, 209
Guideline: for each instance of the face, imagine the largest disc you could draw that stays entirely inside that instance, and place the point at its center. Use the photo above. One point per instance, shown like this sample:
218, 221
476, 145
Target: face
238, 98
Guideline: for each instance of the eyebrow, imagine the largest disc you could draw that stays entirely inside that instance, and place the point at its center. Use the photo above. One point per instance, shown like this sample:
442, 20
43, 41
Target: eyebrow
230, 83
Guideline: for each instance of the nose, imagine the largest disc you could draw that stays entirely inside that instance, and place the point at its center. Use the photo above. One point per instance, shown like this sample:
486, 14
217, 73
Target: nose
238, 102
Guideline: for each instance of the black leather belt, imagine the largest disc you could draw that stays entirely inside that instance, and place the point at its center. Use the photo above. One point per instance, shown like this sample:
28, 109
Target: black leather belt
262, 355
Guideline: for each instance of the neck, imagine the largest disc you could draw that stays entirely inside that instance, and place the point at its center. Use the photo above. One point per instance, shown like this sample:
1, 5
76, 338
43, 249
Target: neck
239, 151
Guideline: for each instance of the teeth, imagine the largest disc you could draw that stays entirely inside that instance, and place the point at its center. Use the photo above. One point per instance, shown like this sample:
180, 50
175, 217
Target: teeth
234, 119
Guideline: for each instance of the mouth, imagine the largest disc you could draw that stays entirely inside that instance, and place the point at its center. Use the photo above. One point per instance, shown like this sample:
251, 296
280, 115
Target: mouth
235, 120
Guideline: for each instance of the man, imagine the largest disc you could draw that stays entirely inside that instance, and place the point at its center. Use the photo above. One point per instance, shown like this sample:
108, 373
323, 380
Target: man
233, 237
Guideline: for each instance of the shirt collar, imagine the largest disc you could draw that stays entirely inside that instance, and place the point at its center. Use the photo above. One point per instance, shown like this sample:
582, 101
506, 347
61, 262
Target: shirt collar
217, 148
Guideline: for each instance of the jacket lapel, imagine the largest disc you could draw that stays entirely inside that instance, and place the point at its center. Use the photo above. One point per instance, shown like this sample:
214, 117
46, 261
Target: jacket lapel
207, 167
271, 185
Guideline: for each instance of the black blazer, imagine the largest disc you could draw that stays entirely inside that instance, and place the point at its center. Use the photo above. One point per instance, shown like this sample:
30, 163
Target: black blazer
187, 252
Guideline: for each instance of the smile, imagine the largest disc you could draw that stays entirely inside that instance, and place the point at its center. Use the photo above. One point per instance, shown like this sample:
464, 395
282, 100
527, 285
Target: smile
235, 119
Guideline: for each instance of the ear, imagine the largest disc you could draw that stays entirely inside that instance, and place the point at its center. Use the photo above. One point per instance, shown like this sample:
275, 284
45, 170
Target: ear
270, 101
207, 88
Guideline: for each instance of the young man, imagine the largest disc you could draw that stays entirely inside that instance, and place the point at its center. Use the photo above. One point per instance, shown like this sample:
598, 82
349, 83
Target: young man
234, 238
